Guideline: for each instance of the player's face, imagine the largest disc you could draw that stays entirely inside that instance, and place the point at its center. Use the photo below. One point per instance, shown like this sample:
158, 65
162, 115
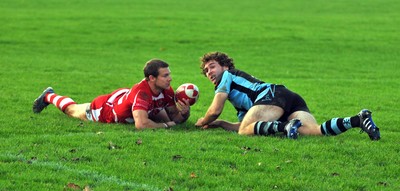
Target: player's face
163, 80
214, 71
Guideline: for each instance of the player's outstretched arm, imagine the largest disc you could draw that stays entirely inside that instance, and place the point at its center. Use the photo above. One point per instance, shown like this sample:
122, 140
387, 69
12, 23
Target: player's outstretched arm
179, 112
214, 110
142, 121
229, 126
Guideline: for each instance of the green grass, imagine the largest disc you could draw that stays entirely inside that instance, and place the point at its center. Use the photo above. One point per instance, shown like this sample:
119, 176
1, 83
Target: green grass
341, 56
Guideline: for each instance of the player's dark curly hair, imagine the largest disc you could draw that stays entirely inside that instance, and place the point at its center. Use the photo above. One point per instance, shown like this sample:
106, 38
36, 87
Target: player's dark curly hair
152, 66
222, 58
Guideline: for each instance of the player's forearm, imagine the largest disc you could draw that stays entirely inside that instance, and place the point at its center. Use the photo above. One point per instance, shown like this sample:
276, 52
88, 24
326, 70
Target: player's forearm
180, 117
209, 118
228, 125
184, 116
151, 124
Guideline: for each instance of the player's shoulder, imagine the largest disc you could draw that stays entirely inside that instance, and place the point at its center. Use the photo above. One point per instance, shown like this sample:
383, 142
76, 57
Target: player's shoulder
236, 72
233, 73
142, 87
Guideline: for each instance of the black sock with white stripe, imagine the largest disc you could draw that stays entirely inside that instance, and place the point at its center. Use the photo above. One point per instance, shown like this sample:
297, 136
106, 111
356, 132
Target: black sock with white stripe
336, 126
268, 128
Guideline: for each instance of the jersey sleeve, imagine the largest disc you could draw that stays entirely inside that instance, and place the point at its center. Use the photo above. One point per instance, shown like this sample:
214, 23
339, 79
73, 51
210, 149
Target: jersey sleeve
225, 83
141, 101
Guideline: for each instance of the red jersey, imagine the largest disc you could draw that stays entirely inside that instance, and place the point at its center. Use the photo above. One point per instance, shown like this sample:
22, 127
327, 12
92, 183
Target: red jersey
118, 106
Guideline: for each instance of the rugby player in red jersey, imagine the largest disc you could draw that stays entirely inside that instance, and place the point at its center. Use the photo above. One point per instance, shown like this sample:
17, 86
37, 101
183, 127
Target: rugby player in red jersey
148, 104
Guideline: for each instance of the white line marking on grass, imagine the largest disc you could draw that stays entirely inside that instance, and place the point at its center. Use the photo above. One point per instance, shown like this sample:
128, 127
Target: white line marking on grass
85, 173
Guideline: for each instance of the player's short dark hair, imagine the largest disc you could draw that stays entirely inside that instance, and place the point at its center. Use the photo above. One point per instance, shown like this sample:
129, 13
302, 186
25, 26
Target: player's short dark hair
152, 66
222, 58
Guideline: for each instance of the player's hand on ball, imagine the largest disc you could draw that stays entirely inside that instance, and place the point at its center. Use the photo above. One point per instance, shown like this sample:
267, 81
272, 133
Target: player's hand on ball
183, 106
187, 91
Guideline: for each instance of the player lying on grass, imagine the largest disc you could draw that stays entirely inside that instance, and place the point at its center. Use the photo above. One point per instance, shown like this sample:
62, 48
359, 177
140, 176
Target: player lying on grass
266, 109
148, 104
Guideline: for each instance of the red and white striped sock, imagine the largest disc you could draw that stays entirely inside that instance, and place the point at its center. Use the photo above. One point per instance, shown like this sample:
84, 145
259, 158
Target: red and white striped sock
61, 102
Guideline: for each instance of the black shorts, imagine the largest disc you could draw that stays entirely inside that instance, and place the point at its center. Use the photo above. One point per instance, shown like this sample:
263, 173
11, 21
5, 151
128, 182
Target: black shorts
285, 99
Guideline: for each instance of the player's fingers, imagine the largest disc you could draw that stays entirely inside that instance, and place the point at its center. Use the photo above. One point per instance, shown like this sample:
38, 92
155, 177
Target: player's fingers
187, 102
183, 107
179, 106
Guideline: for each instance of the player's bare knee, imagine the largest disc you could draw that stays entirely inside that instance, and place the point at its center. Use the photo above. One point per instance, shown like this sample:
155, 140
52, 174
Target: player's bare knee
244, 131
241, 132
72, 111
68, 111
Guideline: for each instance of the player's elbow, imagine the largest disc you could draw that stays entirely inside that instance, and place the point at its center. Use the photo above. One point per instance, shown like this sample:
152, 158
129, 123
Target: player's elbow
140, 125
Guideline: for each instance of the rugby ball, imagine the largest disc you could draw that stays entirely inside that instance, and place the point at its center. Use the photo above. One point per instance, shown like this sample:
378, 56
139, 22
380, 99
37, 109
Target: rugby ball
187, 91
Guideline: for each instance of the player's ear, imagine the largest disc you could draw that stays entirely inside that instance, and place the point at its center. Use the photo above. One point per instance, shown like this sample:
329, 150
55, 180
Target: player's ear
152, 78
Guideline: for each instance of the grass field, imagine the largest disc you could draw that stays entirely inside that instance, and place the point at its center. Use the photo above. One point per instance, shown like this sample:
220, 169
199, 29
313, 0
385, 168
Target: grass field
341, 56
